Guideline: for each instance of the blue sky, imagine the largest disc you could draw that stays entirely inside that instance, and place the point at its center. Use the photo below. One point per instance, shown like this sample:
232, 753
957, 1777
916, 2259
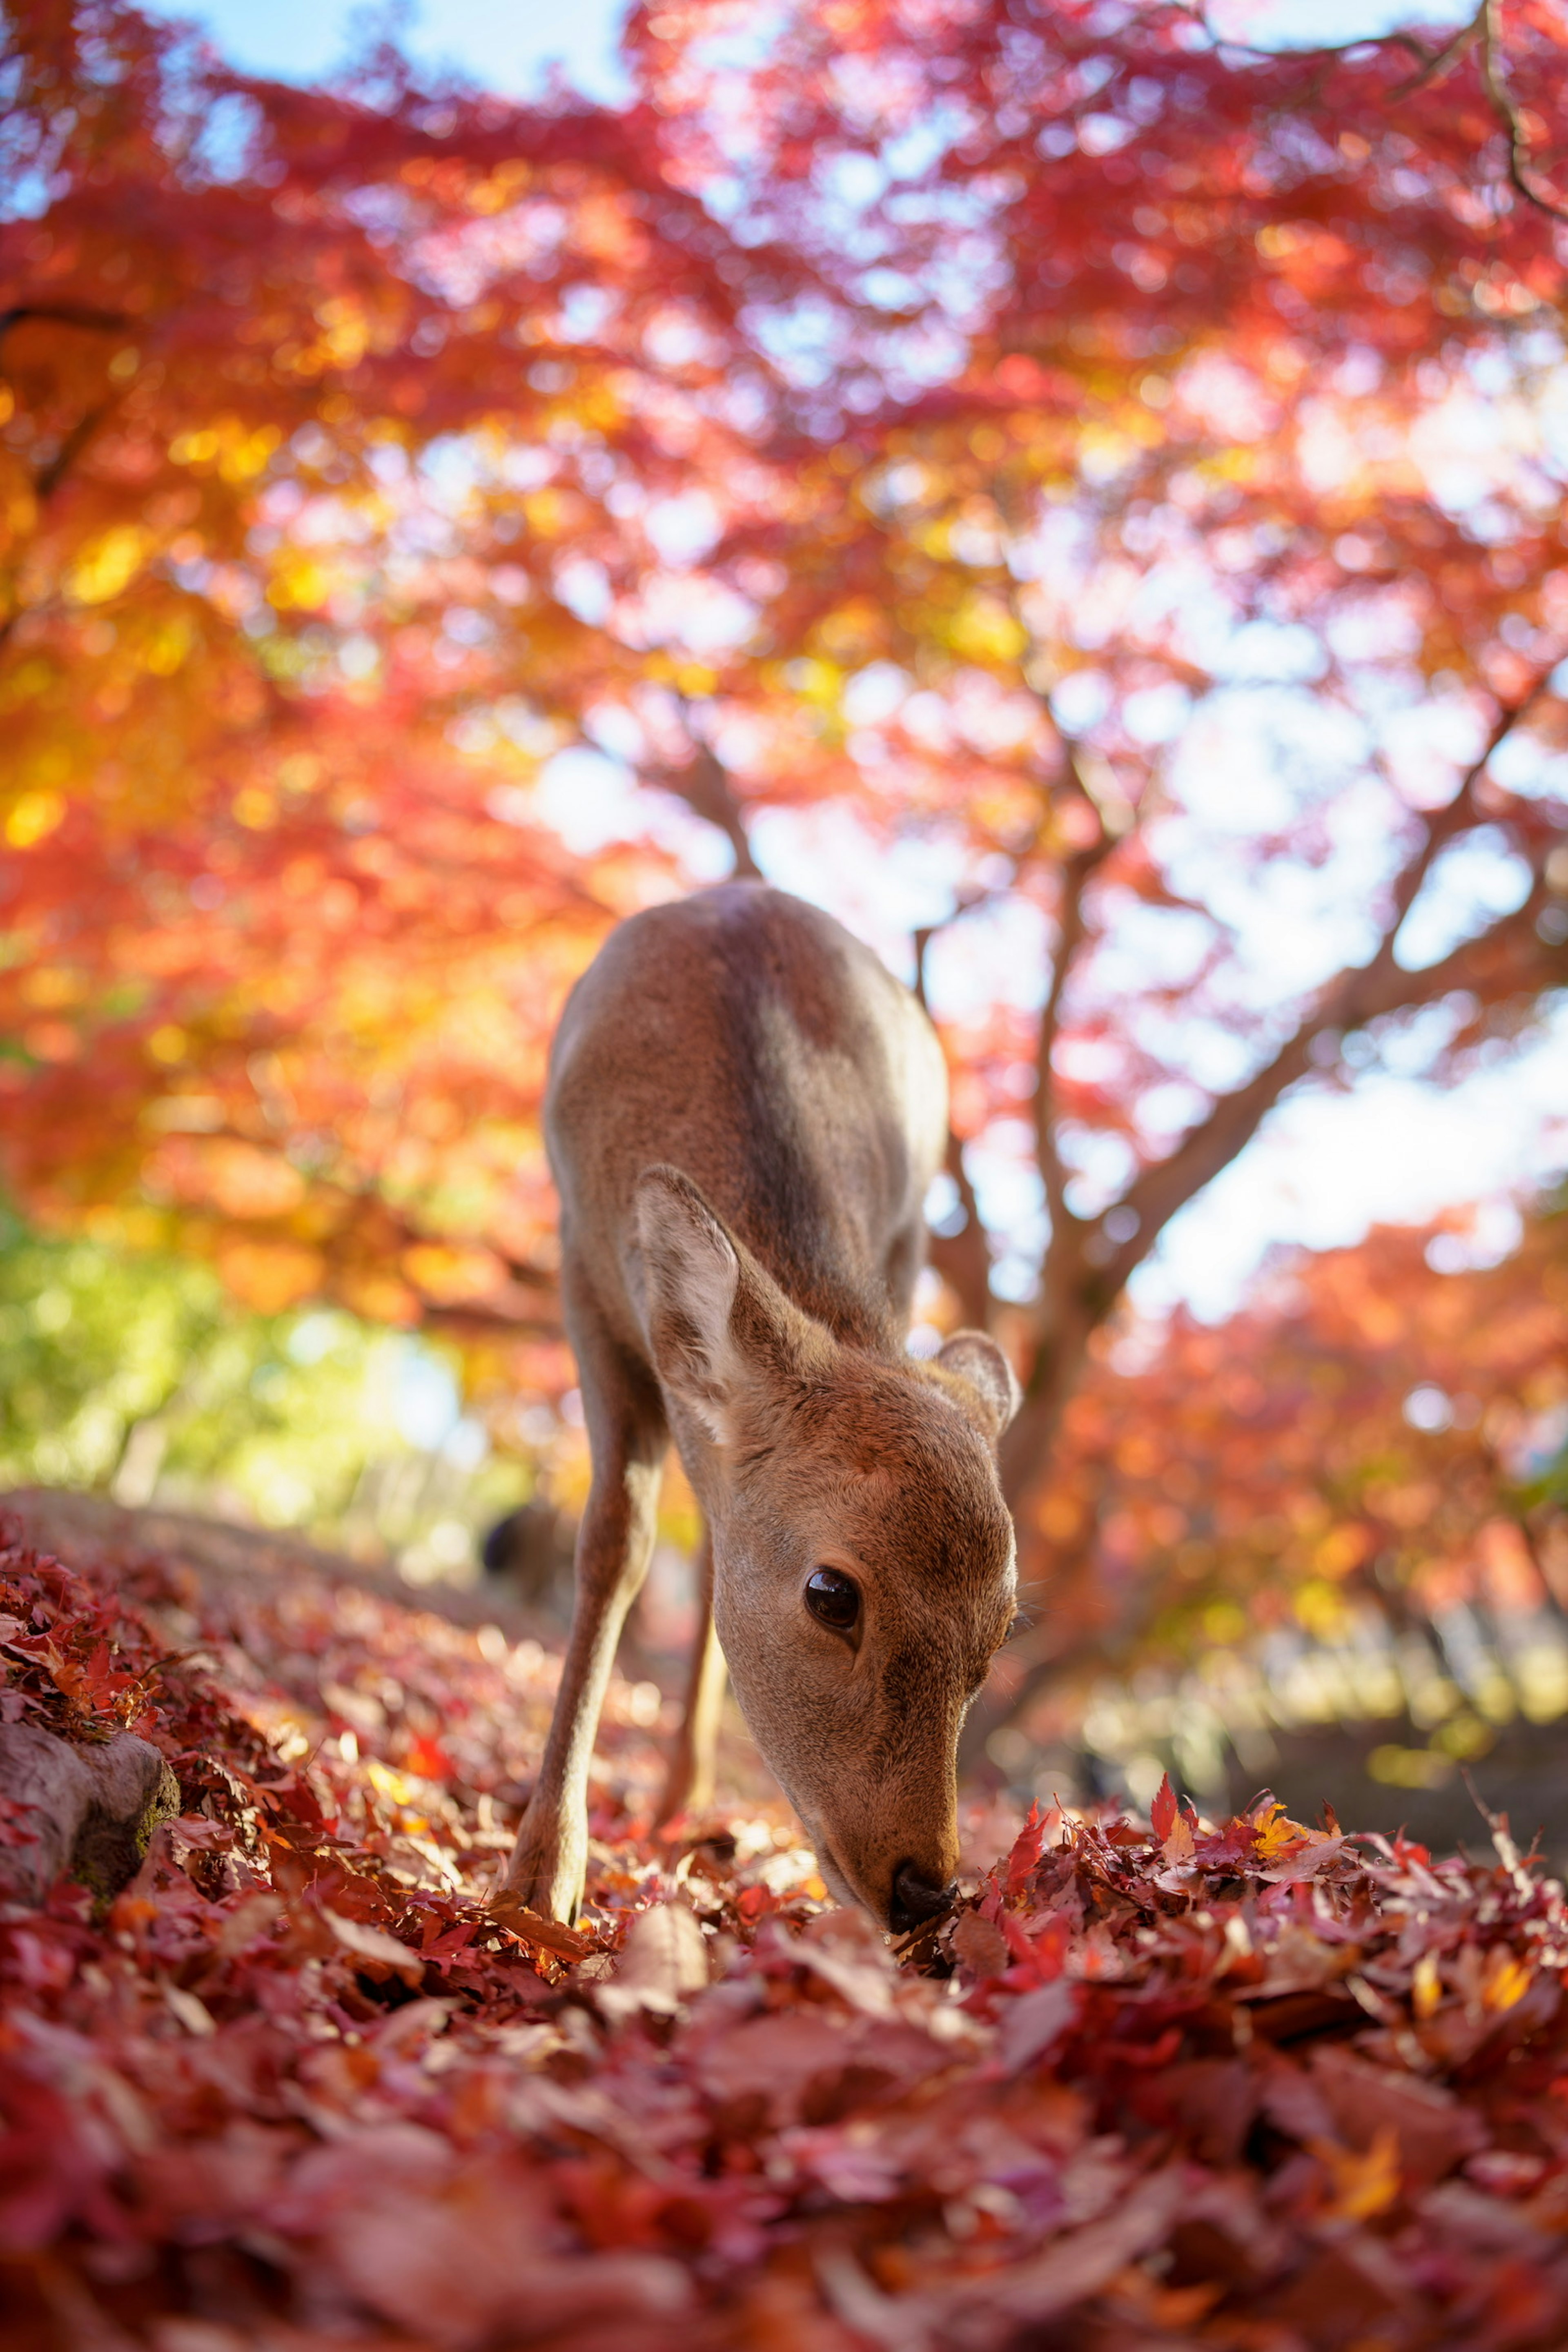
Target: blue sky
508, 44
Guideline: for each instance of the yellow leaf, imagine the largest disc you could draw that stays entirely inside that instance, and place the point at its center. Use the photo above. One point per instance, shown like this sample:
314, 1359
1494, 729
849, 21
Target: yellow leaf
1365, 2182
1507, 1980
34, 818
255, 808
1425, 1986
985, 630
453, 1274
388, 1783
1278, 1831
108, 565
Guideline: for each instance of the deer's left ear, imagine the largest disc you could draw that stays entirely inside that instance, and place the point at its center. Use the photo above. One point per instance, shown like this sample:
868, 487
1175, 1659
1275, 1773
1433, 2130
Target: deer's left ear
973, 1357
692, 1269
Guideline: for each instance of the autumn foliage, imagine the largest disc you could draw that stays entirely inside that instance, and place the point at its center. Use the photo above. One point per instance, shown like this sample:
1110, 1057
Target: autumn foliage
1185, 2083
1379, 1428
951, 435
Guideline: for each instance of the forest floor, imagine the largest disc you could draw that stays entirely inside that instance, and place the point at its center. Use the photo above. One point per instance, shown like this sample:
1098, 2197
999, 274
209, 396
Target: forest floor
302, 2085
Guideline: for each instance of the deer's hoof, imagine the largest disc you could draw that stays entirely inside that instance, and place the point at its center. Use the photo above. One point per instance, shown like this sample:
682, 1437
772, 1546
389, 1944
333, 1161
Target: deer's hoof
546, 1880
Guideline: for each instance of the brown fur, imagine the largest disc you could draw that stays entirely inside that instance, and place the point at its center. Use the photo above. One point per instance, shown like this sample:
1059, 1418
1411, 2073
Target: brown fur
744, 1113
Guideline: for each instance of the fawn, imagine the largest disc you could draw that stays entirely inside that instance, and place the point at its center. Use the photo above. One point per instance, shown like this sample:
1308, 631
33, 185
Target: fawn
744, 1113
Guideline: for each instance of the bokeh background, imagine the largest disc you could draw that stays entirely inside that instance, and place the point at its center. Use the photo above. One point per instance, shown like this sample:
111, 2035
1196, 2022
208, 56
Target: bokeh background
1077, 491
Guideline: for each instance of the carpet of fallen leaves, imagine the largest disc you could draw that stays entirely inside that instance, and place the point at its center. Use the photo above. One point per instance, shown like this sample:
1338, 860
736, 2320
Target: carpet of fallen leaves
299, 2086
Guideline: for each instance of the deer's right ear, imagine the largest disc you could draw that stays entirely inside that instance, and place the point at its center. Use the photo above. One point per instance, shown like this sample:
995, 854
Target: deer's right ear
979, 1362
692, 1272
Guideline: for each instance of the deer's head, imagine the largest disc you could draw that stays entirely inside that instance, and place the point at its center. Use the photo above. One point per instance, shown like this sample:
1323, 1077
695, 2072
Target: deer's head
863, 1554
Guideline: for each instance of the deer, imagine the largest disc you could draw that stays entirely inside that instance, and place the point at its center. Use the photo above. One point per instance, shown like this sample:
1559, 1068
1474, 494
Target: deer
744, 1112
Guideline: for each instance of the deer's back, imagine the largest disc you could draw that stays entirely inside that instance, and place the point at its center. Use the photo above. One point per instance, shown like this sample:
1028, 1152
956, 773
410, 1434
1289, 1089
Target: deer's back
750, 1040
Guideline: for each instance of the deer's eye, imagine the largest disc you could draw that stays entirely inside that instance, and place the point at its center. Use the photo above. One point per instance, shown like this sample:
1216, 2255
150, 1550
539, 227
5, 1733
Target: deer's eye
833, 1598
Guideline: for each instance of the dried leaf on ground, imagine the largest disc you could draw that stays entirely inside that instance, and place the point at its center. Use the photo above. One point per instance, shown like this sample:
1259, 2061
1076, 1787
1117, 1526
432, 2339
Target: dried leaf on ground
304, 2082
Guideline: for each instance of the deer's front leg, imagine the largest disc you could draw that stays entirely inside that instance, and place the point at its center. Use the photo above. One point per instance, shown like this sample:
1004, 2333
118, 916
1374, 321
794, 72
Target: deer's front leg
689, 1786
615, 1542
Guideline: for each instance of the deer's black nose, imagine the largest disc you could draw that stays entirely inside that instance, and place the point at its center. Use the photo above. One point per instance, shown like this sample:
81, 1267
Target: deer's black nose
915, 1899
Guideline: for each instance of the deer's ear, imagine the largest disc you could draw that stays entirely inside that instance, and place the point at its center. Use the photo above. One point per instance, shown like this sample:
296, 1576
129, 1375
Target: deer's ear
692, 1270
974, 1358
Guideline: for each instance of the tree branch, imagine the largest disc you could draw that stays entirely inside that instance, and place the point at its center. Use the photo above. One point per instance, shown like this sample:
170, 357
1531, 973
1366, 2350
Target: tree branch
59, 314
1077, 873
1350, 1001
963, 1259
704, 785
1358, 994
1430, 60
1506, 107
47, 481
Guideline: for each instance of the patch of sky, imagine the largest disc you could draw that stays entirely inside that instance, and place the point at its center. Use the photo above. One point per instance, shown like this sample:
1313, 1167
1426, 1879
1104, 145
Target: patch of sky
1166, 1111
582, 311
919, 356
1312, 24
891, 290
1472, 885
1409, 1049
26, 195
1427, 742
1292, 922
1157, 714
874, 693
1210, 1048
996, 954
1283, 653
492, 42
223, 146
1253, 760
1080, 700
1011, 1204
1522, 764
426, 1404
449, 467
682, 529
881, 892
695, 616
1325, 1167
583, 587
911, 153
1381, 626
802, 341
617, 733
1103, 1166
851, 179
592, 800
318, 1335
1147, 946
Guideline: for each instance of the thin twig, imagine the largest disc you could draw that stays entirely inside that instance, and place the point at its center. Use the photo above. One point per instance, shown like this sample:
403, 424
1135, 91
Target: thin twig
1508, 110
59, 314
704, 785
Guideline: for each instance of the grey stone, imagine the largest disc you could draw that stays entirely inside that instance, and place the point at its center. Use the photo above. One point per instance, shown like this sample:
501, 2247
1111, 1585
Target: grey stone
91, 1809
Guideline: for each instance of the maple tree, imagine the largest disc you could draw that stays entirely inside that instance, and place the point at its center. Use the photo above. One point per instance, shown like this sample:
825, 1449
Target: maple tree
979, 427
1373, 1442
278, 973
1194, 441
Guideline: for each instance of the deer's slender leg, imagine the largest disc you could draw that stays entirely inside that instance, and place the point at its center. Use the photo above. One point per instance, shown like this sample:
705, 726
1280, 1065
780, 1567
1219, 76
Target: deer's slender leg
627, 1435
689, 1786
